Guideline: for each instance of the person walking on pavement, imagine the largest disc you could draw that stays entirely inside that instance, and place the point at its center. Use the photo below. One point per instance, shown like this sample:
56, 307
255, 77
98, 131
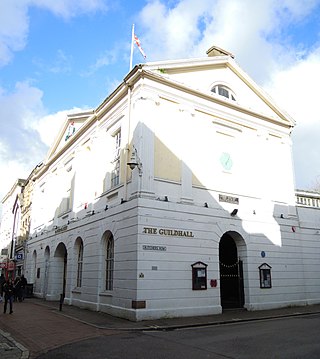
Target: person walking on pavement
2, 281
23, 286
8, 290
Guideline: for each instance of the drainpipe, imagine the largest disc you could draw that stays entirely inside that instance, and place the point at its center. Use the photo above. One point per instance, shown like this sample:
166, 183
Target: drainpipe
127, 145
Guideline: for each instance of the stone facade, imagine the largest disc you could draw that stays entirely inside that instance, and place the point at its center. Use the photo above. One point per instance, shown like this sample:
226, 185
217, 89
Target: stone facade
174, 197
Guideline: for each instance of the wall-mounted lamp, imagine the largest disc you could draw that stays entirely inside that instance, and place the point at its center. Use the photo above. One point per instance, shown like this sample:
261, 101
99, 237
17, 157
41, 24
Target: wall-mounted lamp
135, 161
234, 212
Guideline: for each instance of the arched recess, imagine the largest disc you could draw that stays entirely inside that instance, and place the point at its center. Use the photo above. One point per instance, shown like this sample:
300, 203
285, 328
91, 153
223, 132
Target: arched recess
46, 271
232, 251
59, 271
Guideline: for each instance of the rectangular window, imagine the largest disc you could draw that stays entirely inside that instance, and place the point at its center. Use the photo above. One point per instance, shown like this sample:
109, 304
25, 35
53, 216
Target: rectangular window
80, 263
115, 173
66, 200
117, 138
109, 274
109, 263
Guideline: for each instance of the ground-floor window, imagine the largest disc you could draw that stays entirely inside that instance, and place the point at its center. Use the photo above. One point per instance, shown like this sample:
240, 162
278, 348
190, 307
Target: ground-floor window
109, 262
80, 264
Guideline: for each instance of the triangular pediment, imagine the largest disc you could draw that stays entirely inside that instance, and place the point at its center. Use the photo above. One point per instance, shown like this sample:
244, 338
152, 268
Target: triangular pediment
70, 128
203, 74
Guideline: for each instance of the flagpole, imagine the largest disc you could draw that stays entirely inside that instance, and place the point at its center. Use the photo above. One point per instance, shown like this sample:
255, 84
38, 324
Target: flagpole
131, 54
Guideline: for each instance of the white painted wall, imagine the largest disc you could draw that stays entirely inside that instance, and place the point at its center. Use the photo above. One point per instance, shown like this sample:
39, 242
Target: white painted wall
192, 133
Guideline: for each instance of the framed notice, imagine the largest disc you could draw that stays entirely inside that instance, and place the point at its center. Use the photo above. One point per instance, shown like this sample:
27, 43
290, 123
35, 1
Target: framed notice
265, 276
199, 276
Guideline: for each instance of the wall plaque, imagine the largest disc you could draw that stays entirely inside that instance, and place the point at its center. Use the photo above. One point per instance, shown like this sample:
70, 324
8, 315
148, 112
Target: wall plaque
154, 248
228, 199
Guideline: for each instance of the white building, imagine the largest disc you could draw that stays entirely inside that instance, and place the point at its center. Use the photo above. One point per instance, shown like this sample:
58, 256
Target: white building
10, 226
206, 218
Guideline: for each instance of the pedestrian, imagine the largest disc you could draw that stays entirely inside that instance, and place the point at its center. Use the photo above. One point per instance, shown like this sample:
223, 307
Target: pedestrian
23, 286
8, 290
2, 281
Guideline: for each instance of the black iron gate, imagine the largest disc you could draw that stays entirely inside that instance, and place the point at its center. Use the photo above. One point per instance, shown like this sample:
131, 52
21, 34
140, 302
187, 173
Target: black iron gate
231, 284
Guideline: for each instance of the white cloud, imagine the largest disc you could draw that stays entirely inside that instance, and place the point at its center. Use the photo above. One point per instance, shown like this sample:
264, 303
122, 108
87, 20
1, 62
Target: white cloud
47, 127
250, 29
256, 33
20, 145
14, 25
14, 20
26, 132
172, 32
296, 90
105, 59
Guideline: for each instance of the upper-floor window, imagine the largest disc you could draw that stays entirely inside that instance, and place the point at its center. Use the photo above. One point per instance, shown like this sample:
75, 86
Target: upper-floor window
224, 91
117, 143
115, 173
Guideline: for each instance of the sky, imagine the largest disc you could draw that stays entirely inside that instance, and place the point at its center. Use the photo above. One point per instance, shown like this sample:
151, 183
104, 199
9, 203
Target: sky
59, 56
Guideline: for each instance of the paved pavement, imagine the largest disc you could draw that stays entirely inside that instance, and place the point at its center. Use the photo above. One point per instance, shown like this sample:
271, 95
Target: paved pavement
37, 326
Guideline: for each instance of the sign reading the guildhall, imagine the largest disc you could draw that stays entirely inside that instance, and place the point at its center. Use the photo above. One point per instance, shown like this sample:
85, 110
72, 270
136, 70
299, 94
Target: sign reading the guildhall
167, 232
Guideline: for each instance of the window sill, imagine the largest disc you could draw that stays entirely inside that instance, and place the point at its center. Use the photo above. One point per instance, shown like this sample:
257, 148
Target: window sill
76, 290
108, 293
64, 214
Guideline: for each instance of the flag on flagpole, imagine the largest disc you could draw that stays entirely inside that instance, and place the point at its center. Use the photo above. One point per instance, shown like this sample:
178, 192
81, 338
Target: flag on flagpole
137, 41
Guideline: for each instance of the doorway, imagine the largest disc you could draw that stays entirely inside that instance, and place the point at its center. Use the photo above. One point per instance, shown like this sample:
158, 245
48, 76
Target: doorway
61, 260
46, 271
231, 273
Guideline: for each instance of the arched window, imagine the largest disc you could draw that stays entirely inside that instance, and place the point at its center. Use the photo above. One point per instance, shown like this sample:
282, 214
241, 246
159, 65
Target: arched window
224, 91
80, 264
109, 262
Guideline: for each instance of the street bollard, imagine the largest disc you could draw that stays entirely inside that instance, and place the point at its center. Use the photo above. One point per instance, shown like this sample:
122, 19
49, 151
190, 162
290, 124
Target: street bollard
61, 301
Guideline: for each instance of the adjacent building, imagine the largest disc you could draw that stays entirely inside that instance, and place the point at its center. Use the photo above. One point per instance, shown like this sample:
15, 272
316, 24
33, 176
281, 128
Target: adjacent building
174, 197
10, 227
